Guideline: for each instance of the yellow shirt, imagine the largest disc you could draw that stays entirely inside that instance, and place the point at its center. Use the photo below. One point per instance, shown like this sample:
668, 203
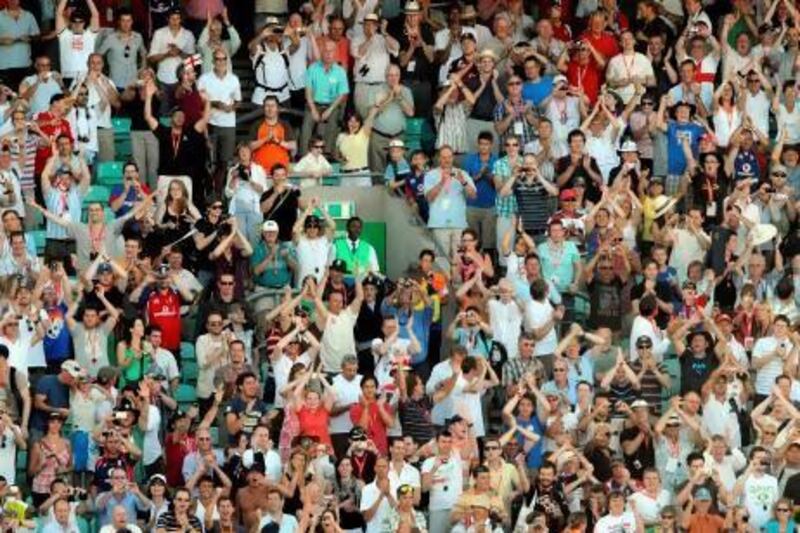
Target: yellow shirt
354, 148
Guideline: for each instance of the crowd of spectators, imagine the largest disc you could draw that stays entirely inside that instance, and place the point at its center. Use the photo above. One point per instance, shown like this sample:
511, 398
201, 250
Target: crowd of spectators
600, 331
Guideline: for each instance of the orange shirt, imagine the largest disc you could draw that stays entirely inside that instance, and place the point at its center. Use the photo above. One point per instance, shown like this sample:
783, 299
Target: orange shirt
709, 523
342, 51
314, 423
271, 153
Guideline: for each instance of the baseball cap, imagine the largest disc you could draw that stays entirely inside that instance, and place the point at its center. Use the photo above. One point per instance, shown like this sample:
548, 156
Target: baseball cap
640, 403
270, 225
104, 268
157, 478
560, 79
397, 143
371, 17
358, 434
644, 342
567, 194
72, 367
339, 265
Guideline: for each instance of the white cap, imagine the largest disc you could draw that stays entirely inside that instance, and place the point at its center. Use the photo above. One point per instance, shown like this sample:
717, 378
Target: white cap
269, 225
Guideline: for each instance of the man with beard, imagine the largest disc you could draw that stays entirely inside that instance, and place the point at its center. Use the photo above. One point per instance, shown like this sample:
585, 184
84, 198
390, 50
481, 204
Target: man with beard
549, 497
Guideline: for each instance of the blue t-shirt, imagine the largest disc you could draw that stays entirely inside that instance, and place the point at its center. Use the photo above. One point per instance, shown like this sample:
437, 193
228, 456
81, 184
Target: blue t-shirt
536, 92
483, 180
57, 395
676, 161
534, 456
57, 341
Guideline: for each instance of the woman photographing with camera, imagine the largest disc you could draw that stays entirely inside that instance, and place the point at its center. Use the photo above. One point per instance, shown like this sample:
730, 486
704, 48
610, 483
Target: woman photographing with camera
243, 188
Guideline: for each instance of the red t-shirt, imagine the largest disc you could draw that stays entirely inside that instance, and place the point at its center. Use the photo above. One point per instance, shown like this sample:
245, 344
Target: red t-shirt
192, 105
587, 77
175, 451
314, 423
164, 310
605, 43
376, 430
52, 127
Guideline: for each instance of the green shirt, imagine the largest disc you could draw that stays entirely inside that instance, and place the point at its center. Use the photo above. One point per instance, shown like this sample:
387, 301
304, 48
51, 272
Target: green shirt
277, 273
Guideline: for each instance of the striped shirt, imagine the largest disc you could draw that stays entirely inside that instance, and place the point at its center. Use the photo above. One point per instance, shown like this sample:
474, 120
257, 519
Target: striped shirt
169, 522
61, 204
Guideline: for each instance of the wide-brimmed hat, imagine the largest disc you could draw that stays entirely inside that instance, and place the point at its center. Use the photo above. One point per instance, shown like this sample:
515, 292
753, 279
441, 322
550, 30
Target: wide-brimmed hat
629, 146
663, 204
468, 12
412, 7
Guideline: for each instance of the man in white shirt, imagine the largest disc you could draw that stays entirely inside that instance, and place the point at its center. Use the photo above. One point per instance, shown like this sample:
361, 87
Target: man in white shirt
769, 356
378, 497
103, 96
225, 93
169, 46
403, 473
443, 478
757, 489
336, 323
617, 520
441, 383
372, 52
629, 68
286, 523
540, 321
261, 452
347, 385
150, 420
75, 42
163, 359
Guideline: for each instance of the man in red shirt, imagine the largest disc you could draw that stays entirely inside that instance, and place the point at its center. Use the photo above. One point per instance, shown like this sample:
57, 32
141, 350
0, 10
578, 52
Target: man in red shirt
162, 305
605, 43
583, 73
52, 124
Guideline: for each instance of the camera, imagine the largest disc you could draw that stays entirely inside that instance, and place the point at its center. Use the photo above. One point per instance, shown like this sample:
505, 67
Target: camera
243, 173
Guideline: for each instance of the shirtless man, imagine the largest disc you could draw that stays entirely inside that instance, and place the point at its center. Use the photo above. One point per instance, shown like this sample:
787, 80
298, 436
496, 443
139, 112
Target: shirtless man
251, 500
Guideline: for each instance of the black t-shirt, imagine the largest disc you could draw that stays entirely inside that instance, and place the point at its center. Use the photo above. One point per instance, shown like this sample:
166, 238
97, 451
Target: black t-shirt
592, 191
606, 304
249, 417
135, 110
664, 292
485, 104
419, 68
189, 157
696, 370
792, 489
283, 211
205, 227
643, 457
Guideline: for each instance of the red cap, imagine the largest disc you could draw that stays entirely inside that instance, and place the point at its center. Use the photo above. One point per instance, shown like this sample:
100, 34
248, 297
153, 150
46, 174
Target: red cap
568, 194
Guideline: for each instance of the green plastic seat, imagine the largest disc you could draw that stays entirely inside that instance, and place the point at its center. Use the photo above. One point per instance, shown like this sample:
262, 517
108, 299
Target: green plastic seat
186, 394
123, 148
39, 237
414, 127
110, 173
189, 372
97, 193
121, 125
187, 351
340, 210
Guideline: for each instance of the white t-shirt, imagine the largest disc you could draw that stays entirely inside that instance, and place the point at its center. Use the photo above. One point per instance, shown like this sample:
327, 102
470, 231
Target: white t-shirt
369, 495
225, 90
272, 463
151, 448
760, 493
624, 523
537, 314
506, 322
162, 38
281, 368
448, 482
468, 405
312, 258
765, 376
74, 50
757, 106
603, 148
8, 457
347, 393
625, 66
371, 67
288, 523
409, 475
444, 409
649, 508
338, 339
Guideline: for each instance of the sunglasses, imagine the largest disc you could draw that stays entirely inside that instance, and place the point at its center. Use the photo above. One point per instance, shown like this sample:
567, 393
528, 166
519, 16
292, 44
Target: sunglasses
779, 174
492, 447
319, 146
559, 370
216, 207
226, 283
127, 51
220, 59
647, 102
405, 489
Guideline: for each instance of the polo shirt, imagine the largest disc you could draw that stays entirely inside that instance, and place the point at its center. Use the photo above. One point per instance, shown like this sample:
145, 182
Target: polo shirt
122, 57
18, 53
326, 85
226, 90
57, 395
